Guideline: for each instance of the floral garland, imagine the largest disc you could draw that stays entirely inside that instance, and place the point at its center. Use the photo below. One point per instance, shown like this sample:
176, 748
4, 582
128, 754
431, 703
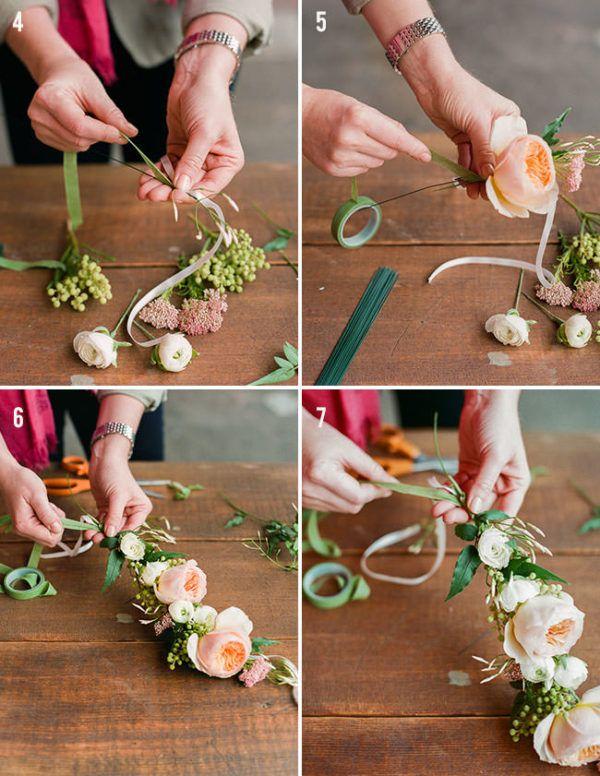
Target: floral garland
537, 622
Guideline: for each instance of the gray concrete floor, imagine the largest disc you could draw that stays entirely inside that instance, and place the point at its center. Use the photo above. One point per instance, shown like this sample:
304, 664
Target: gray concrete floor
543, 54
225, 426
265, 102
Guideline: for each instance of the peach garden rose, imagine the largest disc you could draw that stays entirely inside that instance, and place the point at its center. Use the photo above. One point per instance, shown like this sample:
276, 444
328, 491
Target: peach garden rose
571, 738
185, 582
220, 653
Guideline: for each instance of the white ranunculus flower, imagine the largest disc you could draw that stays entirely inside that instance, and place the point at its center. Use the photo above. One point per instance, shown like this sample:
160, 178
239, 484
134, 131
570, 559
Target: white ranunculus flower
132, 546
575, 332
509, 329
573, 737
181, 611
493, 548
544, 626
571, 672
173, 353
96, 348
152, 572
205, 615
538, 670
235, 620
516, 591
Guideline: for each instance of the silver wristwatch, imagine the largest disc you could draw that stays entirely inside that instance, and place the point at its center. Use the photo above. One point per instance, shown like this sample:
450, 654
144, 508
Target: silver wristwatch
212, 36
408, 36
114, 427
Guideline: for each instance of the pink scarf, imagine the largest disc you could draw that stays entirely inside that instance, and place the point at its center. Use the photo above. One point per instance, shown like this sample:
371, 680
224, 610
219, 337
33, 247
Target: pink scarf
355, 414
84, 25
31, 444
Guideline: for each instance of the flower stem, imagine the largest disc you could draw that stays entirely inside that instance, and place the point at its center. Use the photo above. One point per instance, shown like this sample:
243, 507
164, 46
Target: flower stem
144, 330
550, 315
127, 309
519, 289
289, 262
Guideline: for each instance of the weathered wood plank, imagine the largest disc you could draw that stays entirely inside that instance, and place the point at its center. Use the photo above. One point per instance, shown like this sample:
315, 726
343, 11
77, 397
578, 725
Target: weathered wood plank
104, 709
236, 576
265, 489
417, 747
117, 223
390, 655
551, 502
432, 334
438, 218
36, 340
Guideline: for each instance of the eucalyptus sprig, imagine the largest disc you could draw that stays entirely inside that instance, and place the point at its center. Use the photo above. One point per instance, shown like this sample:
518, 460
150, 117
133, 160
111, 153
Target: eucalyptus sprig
287, 367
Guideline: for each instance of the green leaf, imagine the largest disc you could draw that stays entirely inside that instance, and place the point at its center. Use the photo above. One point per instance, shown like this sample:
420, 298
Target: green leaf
277, 376
21, 266
492, 516
283, 363
110, 542
278, 243
324, 547
158, 173
435, 494
72, 195
523, 568
551, 129
153, 555
115, 562
466, 175
183, 492
466, 531
283, 232
258, 644
291, 353
467, 564
593, 524
235, 520
538, 471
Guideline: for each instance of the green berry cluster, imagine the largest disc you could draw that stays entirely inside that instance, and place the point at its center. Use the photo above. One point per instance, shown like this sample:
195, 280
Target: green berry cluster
535, 703
587, 246
228, 270
88, 281
178, 655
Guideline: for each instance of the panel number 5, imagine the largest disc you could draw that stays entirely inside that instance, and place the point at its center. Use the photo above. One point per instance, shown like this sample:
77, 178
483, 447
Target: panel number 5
321, 19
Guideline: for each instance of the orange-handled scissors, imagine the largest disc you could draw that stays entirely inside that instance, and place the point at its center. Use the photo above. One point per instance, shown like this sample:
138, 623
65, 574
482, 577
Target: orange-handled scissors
398, 467
66, 486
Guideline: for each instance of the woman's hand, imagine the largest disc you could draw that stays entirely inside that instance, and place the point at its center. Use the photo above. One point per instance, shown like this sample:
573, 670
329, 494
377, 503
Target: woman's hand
203, 142
493, 468
457, 103
33, 516
327, 457
122, 504
344, 137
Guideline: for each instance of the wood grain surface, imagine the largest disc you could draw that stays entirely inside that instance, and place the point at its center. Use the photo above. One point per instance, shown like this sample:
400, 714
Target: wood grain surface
83, 693
377, 692
432, 334
36, 340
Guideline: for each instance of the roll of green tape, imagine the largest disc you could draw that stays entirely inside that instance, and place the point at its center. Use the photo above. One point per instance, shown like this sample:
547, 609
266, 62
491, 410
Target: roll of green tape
38, 584
352, 587
345, 212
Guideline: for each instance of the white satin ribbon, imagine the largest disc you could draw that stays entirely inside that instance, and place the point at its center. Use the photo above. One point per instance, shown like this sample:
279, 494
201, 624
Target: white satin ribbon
545, 277
77, 549
178, 276
390, 539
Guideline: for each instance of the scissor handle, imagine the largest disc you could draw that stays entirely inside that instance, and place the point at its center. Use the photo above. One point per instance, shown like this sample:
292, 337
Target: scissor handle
396, 467
61, 486
394, 441
76, 464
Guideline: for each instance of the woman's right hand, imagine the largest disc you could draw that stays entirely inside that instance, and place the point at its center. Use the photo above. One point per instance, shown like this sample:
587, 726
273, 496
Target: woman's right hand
345, 137
328, 456
26, 500
69, 91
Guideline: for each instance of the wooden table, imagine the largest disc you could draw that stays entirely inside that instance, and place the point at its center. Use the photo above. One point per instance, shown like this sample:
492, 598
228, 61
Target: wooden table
377, 696
36, 340
432, 334
86, 690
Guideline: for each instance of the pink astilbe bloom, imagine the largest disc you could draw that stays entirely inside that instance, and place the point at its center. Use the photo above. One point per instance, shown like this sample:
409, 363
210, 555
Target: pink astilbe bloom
558, 295
513, 674
161, 314
587, 297
258, 671
165, 622
201, 316
575, 170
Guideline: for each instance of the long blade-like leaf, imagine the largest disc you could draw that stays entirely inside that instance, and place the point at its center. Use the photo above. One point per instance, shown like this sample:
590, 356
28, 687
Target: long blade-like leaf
21, 266
158, 173
466, 175
72, 189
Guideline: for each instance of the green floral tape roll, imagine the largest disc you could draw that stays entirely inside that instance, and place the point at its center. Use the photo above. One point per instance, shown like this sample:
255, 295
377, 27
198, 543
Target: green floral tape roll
351, 587
38, 584
345, 212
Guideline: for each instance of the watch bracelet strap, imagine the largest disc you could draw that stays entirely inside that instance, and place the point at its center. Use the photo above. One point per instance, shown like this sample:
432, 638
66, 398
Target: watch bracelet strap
405, 38
114, 427
217, 37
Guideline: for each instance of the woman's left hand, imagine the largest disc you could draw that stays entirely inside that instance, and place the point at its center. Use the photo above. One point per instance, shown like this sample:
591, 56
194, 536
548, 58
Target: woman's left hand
122, 504
203, 142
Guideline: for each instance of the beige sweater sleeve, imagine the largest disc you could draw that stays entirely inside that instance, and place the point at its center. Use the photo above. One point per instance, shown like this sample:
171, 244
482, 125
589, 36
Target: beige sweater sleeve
255, 15
355, 6
149, 397
9, 9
